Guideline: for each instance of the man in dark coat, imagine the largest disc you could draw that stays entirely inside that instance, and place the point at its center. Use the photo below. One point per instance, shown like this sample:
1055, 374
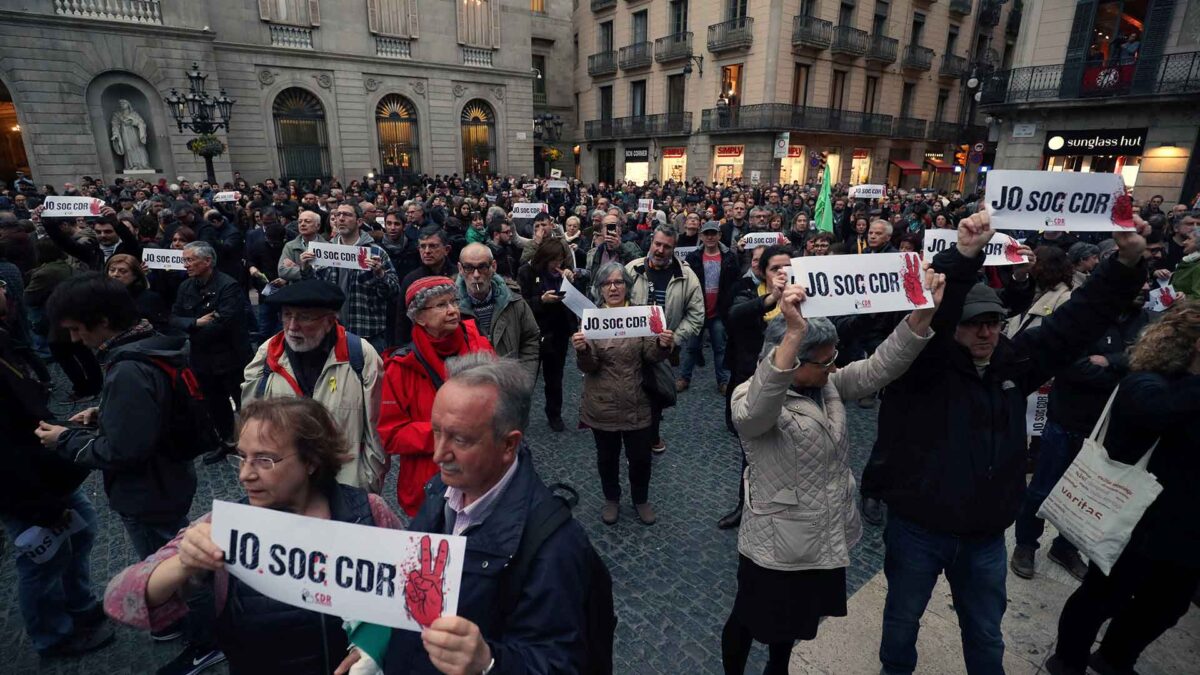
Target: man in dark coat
955, 481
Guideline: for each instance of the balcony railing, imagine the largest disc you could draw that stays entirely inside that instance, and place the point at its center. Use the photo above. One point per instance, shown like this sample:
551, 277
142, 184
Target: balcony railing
480, 58
784, 117
953, 66
882, 49
393, 48
909, 127
811, 32
917, 57
849, 40
539, 99
129, 11
733, 34
962, 7
604, 63
944, 131
1168, 75
989, 14
292, 37
639, 126
601, 5
673, 47
637, 55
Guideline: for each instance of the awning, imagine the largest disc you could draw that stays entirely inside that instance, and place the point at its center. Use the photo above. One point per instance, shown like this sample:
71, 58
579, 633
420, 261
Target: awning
939, 166
906, 167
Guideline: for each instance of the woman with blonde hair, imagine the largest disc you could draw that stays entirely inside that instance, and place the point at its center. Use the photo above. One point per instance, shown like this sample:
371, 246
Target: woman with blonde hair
1152, 583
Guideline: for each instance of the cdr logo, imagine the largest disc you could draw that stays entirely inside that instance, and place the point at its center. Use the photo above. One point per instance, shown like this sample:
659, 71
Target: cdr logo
317, 598
1056, 143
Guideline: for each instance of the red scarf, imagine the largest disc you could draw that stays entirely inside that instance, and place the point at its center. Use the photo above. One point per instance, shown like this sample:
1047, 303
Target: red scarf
457, 343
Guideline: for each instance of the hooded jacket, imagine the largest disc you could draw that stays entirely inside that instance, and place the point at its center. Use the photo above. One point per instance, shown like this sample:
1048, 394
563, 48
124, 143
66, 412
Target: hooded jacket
514, 330
685, 297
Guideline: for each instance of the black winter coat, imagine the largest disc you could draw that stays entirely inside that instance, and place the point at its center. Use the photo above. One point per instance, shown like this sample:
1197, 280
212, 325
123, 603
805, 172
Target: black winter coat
731, 269
744, 327
224, 344
952, 453
1081, 389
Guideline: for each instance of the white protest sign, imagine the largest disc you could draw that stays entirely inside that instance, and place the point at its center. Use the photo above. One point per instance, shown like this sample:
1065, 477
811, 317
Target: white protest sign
868, 192
358, 572
1161, 299
645, 205
682, 252
755, 177
529, 186
163, 258
40, 544
1001, 250
71, 207
1036, 408
556, 185
756, 239
340, 255
574, 300
528, 209
1058, 200
556, 173
861, 284
229, 196
623, 322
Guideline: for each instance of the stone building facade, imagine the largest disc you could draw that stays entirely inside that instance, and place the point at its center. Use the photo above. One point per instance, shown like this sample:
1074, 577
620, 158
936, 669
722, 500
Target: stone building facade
322, 87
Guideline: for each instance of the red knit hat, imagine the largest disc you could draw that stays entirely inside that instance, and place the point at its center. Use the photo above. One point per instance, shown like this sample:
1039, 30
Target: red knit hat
425, 283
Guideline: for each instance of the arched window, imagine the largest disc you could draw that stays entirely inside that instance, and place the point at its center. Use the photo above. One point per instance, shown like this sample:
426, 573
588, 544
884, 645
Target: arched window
300, 135
478, 124
399, 144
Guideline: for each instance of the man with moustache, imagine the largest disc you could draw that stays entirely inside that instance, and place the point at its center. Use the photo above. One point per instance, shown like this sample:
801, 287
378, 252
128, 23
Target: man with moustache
316, 357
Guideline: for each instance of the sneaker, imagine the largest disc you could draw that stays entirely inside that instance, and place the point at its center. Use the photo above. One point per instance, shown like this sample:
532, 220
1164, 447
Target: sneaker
556, 424
872, 511
646, 513
1103, 666
81, 641
730, 520
1069, 560
660, 446
610, 512
866, 402
193, 659
167, 634
682, 385
1022, 562
1055, 666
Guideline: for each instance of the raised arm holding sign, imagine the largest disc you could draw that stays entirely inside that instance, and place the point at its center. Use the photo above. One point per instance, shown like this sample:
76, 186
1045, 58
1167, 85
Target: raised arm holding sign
1057, 200
861, 284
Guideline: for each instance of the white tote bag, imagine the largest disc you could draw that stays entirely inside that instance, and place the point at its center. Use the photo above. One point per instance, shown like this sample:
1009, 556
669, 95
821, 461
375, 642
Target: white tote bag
1098, 502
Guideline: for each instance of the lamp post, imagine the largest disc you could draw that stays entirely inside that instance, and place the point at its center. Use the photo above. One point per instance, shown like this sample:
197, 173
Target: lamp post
548, 127
202, 114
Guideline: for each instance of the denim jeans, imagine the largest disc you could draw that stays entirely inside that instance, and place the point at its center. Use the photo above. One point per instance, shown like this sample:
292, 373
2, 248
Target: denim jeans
268, 320
976, 568
691, 353
51, 592
1058, 450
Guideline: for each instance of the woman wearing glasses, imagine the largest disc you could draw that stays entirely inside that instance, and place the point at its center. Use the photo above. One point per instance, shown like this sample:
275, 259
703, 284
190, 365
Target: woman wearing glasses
289, 451
799, 518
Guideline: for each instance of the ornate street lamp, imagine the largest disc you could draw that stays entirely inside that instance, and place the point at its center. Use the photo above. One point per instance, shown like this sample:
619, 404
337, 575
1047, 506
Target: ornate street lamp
548, 127
202, 114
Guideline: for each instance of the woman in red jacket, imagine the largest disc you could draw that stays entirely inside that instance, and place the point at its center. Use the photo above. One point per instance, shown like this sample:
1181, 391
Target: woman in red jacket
411, 378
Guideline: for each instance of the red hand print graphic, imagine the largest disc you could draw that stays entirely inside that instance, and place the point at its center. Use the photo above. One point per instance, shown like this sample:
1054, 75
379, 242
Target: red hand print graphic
1167, 298
423, 590
656, 322
1012, 251
1122, 214
94, 207
911, 274
362, 258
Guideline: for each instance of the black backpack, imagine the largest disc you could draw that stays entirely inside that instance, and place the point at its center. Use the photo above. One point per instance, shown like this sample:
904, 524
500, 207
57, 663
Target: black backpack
599, 611
190, 430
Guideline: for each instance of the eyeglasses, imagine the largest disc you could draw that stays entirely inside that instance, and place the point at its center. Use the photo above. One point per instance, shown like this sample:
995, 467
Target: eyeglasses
471, 269
256, 462
823, 366
614, 283
300, 317
441, 306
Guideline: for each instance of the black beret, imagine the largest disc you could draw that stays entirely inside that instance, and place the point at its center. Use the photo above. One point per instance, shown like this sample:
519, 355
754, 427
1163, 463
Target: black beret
308, 293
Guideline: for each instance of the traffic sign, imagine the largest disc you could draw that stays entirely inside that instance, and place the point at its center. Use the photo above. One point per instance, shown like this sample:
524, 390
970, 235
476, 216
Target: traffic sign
978, 147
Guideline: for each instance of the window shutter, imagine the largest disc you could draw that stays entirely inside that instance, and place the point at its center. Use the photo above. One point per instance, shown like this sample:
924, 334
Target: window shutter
1154, 38
412, 18
264, 9
373, 16
494, 34
462, 23
1081, 37
314, 12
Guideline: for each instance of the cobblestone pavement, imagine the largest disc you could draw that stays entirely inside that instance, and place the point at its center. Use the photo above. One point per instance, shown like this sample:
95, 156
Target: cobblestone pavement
674, 582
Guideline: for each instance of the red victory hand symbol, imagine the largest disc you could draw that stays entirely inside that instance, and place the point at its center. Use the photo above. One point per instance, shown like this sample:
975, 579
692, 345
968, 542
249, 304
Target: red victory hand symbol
94, 207
656, 322
1122, 214
912, 280
1011, 251
423, 590
1167, 298
362, 258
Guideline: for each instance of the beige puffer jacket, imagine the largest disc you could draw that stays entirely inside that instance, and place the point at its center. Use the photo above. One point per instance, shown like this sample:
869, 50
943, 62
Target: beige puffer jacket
1041, 307
800, 510
613, 398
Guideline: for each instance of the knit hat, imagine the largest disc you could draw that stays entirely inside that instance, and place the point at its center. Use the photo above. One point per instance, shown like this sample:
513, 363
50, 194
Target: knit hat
427, 284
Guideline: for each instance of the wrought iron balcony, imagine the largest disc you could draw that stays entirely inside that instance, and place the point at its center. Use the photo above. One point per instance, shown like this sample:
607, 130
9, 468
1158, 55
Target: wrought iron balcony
944, 131
733, 34
603, 63
1168, 75
639, 126
637, 55
962, 7
989, 14
849, 40
784, 117
882, 49
673, 47
601, 5
917, 57
811, 33
953, 66
909, 127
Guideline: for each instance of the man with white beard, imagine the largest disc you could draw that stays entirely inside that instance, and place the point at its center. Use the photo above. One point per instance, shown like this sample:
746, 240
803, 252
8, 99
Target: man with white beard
314, 356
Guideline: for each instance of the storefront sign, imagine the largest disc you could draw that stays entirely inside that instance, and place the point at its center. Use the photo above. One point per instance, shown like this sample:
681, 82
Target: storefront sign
637, 154
1001, 250
729, 150
795, 151
528, 209
861, 284
163, 258
71, 207
623, 322
339, 255
1057, 200
673, 153
782, 143
1095, 142
388, 577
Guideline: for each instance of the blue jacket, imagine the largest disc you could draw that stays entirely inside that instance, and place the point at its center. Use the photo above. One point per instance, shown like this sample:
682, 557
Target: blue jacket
545, 632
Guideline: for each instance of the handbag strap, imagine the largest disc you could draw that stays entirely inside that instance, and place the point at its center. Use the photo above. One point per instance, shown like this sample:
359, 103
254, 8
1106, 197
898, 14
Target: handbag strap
1100, 431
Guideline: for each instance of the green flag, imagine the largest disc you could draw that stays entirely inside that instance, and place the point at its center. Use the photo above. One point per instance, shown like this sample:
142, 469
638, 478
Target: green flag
823, 213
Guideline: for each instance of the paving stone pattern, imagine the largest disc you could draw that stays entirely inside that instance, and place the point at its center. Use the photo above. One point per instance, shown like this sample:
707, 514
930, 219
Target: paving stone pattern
674, 582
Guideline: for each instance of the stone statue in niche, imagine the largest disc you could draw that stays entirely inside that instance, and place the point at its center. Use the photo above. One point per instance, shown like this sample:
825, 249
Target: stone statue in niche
128, 136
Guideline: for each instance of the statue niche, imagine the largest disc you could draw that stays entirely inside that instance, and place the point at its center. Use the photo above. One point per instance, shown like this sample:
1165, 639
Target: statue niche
128, 137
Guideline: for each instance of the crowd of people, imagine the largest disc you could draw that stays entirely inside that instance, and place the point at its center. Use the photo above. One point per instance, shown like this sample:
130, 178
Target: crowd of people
313, 380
